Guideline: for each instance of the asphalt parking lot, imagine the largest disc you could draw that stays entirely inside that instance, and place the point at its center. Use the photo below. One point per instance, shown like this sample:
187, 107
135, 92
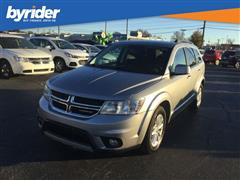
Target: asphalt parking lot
201, 146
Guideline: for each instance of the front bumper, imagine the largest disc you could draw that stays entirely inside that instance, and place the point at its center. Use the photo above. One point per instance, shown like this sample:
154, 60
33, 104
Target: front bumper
28, 68
77, 62
96, 129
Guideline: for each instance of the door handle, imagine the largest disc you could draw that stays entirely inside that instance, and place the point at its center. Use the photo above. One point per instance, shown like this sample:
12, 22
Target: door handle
199, 69
189, 75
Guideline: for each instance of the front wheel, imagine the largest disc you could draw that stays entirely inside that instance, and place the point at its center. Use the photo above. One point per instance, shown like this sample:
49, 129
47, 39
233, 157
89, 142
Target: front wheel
5, 70
155, 132
60, 65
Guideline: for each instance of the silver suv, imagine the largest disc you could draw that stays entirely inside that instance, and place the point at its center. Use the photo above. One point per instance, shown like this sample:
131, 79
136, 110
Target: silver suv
124, 97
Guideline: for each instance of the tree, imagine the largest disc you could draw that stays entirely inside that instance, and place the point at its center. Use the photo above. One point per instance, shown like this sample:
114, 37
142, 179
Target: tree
230, 41
178, 36
197, 38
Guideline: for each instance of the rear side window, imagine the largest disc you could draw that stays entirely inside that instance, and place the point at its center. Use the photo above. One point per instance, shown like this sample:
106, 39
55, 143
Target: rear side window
179, 59
190, 56
197, 55
41, 43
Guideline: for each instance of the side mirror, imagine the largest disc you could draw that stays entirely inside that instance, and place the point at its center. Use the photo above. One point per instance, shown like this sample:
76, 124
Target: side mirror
0, 46
182, 69
48, 47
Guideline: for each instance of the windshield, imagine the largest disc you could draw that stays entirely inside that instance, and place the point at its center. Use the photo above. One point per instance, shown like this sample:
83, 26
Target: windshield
15, 43
133, 58
64, 44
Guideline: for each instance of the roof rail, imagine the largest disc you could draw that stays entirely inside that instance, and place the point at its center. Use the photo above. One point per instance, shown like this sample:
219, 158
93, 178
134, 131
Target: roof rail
183, 41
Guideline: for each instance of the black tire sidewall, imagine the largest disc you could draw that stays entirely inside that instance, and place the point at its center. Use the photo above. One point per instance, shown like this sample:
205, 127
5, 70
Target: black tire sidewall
9, 68
236, 65
147, 147
63, 66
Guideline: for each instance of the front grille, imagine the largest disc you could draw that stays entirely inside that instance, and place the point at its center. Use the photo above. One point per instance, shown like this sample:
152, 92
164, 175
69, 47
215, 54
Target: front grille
88, 101
60, 95
83, 110
59, 105
74, 105
67, 132
40, 70
39, 60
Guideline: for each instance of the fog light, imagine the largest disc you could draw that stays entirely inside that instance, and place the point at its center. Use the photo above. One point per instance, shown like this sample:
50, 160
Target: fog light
73, 64
112, 142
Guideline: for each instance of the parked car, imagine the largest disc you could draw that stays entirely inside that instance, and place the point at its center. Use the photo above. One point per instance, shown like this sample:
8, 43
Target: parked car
212, 56
19, 56
64, 53
232, 58
90, 49
124, 97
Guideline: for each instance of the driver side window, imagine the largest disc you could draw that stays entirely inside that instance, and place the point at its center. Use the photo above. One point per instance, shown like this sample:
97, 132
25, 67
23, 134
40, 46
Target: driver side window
179, 59
44, 43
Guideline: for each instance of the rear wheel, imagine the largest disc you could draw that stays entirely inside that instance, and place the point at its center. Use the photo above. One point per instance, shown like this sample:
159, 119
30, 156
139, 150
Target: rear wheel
60, 65
155, 132
5, 69
198, 101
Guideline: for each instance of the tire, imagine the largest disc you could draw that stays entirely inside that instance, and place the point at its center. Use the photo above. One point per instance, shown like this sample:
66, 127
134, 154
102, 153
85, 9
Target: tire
237, 65
197, 102
5, 69
60, 65
155, 132
217, 62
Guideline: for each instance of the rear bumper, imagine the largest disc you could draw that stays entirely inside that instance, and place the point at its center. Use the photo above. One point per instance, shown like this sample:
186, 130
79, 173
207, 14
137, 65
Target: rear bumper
97, 130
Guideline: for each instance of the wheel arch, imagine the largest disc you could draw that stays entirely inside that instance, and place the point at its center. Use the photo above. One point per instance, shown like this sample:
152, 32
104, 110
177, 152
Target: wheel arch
58, 57
163, 99
10, 63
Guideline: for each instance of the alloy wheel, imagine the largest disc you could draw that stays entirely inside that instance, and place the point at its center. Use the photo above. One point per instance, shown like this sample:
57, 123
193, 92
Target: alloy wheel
156, 135
5, 70
199, 97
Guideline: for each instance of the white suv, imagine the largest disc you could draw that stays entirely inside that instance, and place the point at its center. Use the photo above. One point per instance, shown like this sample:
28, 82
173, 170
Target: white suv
64, 53
19, 56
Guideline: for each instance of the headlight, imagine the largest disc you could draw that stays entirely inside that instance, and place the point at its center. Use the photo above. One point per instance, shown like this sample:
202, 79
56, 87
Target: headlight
122, 107
46, 92
69, 55
21, 59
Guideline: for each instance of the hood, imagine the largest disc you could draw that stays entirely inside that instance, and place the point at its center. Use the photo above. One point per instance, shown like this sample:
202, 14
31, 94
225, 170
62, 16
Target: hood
29, 53
76, 52
102, 83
